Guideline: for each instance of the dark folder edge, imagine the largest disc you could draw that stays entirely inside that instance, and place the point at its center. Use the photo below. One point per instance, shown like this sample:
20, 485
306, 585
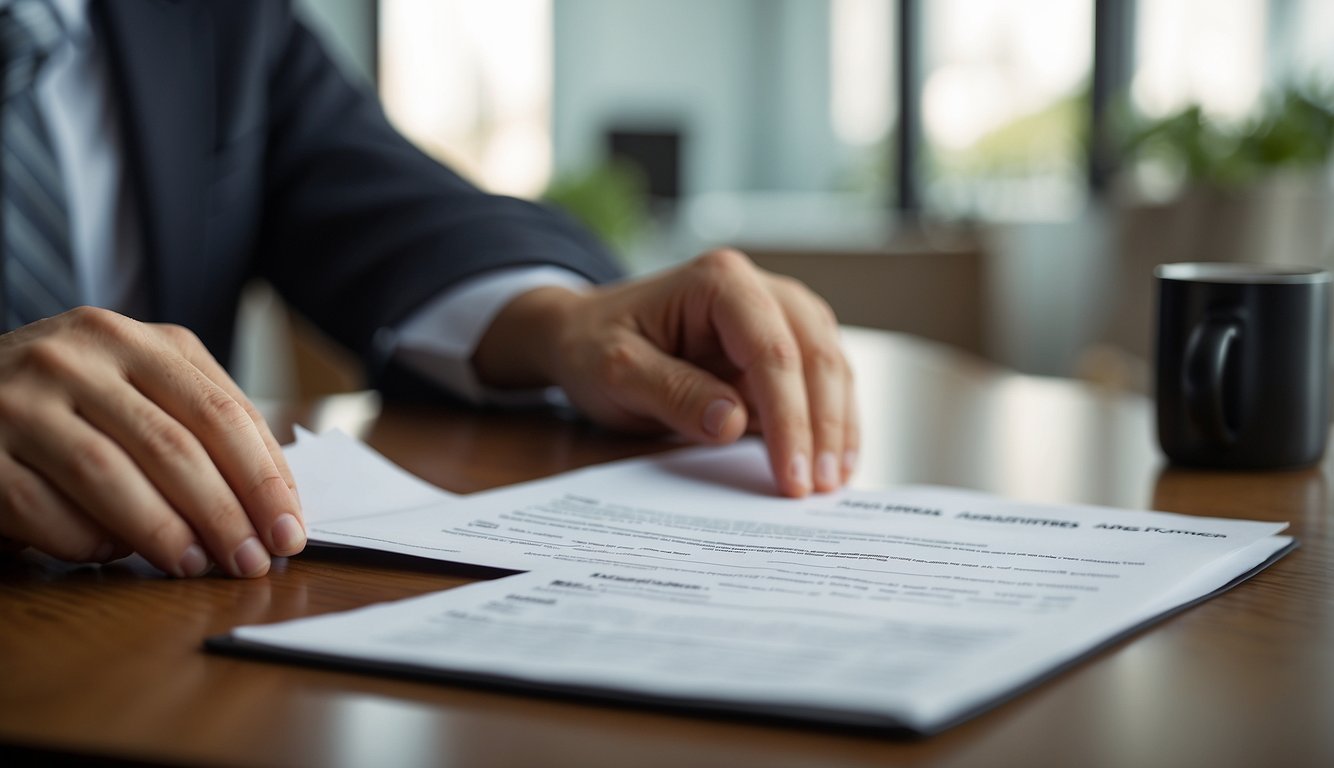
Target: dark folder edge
828, 717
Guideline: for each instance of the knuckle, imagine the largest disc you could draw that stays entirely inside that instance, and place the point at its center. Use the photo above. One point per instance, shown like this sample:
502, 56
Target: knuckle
678, 390
103, 322
797, 425
222, 515
93, 460
22, 497
781, 354
790, 284
16, 411
223, 413
822, 357
84, 315
266, 475
801, 293
179, 335
168, 442
161, 535
52, 357
724, 261
829, 425
616, 365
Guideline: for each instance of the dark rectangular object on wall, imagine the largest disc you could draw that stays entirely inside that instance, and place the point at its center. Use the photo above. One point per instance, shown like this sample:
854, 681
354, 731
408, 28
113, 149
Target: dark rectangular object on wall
656, 153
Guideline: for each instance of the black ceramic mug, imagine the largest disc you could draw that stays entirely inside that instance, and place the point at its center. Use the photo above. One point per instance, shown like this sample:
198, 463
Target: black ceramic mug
1243, 364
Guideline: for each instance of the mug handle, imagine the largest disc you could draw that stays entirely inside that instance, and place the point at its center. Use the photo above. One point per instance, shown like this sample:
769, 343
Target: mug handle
1207, 353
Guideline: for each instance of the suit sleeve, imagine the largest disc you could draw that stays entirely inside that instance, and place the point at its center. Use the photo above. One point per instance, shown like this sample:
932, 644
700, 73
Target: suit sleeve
360, 228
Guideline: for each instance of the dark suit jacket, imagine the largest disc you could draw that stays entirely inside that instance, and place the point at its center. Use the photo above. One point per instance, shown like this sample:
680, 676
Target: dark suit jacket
252, 155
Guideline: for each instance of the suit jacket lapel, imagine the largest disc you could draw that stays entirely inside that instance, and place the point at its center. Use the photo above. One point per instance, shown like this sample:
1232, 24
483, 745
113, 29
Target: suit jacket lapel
161, 62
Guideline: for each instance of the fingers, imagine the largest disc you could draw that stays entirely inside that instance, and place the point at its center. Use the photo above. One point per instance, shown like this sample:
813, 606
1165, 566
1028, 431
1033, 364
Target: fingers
712, 350
757, 338
233, 444
33, 512
828, 381
122, 434
98, 477
189, 347
181, 469
784, 340
283, 535
852, 434
687, 399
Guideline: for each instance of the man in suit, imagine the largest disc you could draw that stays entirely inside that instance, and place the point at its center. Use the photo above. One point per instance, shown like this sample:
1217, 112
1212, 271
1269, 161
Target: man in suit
159, 153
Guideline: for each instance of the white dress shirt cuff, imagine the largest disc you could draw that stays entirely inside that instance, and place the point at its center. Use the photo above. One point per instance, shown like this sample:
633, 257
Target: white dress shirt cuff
439, 339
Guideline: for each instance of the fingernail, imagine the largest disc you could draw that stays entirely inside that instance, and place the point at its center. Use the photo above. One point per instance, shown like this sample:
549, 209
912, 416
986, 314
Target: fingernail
251, 559
849, 462
716, 415
193, 563
799, 472
287, 534
104, 552
826, 470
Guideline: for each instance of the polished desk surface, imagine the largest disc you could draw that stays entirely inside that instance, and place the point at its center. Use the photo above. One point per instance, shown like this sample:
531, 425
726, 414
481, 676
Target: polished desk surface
107, 662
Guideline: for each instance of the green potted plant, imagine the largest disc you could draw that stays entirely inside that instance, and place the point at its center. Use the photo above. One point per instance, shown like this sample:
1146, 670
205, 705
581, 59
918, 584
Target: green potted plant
1198, 189
1257, 190
611, 199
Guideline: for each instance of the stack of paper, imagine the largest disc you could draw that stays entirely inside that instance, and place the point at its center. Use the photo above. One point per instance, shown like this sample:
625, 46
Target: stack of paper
682, 580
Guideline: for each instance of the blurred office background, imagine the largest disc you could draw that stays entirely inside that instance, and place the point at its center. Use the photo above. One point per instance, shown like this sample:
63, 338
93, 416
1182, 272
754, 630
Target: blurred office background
1000, 175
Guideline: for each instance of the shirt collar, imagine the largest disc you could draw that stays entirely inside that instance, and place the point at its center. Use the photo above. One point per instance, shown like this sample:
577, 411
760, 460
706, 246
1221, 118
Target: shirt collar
73, 17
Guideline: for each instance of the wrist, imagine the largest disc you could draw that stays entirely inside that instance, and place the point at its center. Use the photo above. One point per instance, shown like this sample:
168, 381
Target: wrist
519, 349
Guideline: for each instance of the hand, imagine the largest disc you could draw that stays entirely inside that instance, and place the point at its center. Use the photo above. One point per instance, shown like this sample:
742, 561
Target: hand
711, 350
118, 436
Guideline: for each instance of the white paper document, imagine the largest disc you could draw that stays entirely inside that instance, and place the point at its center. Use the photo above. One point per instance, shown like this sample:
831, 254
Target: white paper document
681, 579
340, 477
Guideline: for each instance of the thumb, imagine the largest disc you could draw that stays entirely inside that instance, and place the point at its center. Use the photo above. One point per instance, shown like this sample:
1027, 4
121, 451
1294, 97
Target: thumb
683, 397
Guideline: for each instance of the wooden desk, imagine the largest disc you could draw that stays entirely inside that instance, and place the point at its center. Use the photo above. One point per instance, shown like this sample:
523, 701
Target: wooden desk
106, 662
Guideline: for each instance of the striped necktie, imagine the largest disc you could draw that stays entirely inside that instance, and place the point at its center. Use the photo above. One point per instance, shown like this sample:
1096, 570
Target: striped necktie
38, 276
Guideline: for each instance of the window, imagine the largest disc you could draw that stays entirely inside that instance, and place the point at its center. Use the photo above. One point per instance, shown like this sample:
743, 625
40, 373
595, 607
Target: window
1205, 52
862, 39
470, 83
1005, 106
